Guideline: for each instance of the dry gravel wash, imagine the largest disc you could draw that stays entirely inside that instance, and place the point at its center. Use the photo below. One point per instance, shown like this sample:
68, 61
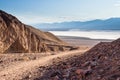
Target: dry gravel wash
21, 69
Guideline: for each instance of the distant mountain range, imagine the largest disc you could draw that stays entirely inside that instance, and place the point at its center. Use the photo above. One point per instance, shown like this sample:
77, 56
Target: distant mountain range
108, 24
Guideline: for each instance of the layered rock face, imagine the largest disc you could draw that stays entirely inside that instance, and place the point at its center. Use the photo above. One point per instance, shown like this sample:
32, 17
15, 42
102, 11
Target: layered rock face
16, 37
102, 62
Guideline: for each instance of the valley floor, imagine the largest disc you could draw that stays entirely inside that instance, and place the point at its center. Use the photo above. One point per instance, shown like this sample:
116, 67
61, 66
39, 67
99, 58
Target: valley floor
27, 66
16, 68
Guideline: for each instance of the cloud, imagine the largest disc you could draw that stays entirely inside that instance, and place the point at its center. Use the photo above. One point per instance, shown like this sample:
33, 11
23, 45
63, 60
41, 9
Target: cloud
35, 19
31, 18
68, 17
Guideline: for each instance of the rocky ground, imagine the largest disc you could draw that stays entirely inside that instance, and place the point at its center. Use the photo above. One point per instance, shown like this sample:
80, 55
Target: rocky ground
69, 65
102, 62
22, 57
26, 66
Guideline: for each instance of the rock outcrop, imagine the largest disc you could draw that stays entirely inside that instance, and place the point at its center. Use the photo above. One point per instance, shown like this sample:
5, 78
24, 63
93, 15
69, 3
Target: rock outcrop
16, 37
102, 62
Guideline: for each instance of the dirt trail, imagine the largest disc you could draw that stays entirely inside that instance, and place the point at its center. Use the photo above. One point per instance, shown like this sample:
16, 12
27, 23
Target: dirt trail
21, 69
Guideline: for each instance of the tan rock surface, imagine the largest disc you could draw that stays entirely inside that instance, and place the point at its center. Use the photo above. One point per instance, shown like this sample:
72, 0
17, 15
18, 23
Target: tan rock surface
16, 37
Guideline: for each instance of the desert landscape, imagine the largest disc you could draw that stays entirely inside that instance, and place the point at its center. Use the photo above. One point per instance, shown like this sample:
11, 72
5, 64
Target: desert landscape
22, 45
59, 39
27, 53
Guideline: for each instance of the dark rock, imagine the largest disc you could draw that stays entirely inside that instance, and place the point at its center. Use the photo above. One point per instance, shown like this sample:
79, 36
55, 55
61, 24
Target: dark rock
99, 63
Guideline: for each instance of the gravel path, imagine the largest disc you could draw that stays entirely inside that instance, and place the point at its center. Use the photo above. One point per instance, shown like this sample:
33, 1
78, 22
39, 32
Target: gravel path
20, 70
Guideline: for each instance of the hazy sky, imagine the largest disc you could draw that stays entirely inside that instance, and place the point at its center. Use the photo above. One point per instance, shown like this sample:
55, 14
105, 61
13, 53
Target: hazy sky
43, 11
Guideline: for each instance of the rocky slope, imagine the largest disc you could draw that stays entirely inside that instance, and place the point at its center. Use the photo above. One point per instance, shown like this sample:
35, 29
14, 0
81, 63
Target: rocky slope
102, 62
16, 37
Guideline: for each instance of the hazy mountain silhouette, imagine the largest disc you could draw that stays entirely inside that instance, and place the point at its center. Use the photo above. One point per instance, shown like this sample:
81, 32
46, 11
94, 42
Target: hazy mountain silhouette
108, 24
